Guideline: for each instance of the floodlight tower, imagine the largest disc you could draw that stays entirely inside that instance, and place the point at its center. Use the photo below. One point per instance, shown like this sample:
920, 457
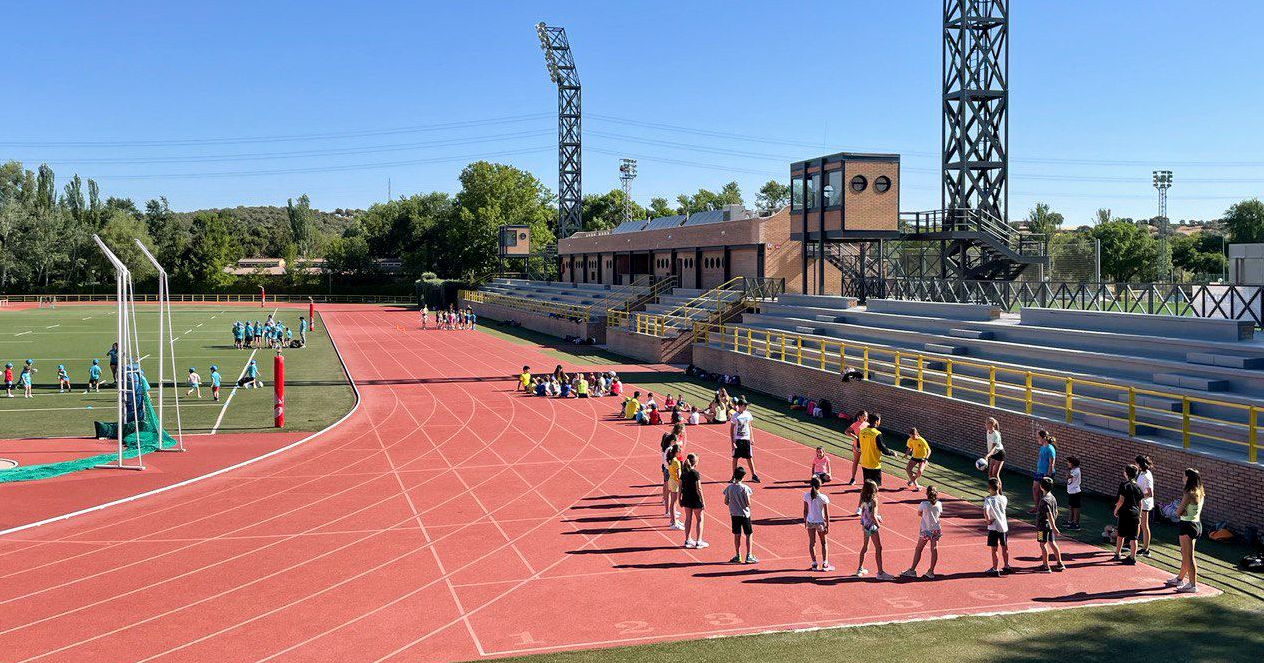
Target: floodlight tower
975, 128
561, 66
1163, 182
627, 173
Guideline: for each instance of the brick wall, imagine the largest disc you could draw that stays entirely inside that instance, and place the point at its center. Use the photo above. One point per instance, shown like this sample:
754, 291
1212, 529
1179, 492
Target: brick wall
542, 323
870, 210
712, 268
648, 349
1235, 490
744, 262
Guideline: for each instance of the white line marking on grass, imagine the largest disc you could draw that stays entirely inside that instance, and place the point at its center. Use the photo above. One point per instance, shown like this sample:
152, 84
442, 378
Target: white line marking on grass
51, 326
87, 318
23, 333
233, 392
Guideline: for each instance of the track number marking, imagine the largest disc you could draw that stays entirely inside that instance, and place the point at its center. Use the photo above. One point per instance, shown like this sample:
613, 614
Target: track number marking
903, 603
633, 627
818, 612
987, 595
722, 619
524, 638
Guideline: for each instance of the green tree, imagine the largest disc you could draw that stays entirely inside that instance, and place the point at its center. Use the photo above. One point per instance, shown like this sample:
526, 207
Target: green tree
1128, 251
492, 195
405, 228
120, 233
772, 196
659, 207
300, 218
1245, 221
1200, 254
1044, 221
1102, 216
349, 255
605, 211
211, 250
172, 233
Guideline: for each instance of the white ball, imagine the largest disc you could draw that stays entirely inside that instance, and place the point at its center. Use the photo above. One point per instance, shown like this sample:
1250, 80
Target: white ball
980, 464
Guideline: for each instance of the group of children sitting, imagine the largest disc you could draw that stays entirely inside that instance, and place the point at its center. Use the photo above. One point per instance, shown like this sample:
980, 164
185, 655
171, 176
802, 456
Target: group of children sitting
719, 410
577, 385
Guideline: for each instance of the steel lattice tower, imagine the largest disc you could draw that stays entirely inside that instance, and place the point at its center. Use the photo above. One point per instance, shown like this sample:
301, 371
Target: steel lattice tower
627, 173
561, 65
976, 103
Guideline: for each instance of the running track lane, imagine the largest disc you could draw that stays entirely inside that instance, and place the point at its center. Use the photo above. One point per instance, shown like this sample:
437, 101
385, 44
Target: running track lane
450, 518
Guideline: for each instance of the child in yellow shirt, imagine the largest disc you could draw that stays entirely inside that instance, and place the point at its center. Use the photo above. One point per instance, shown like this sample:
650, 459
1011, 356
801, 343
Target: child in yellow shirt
919, 455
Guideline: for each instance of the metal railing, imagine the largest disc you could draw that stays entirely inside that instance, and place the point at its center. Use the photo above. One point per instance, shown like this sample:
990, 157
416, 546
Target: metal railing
677, 320
220, 298
1200, 300
1005, 387
974, 220
552, 309
618, 316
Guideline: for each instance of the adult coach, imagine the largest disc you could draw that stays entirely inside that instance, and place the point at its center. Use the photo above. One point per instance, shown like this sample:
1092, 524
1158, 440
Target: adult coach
740, 432
871, 452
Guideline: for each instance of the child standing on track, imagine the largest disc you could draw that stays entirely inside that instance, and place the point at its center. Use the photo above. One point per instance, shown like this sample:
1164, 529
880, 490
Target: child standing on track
871, 526
928, 531
919, 455
742, 434
195, 382
425, 316
673, 485
691, 502
1047, 527
63, 379
215, 380
853, 436
994, 506
8, 379
737, 496
816, 519
664, 447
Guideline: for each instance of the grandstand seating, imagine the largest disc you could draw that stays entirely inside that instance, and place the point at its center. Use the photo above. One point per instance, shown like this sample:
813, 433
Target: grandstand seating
594, 296
1176, 356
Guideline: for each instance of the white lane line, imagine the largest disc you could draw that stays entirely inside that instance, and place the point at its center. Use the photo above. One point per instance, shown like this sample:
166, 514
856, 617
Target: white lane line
51, 326
23, 333
233, 392
87, 318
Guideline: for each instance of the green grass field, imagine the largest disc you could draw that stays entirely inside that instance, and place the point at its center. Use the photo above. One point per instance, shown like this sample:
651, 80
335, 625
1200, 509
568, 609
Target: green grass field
317, 391
1226, 628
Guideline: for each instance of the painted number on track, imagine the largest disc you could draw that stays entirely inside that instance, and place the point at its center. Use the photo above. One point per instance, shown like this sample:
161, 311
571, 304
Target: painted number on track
633, 627
819, 612
987, 595
722, 619
524, 638
903, 603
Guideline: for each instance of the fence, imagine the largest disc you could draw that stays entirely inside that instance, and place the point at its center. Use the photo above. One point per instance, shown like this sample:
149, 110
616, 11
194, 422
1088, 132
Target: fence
221, 298
553, 309
1026, 391
1203, 300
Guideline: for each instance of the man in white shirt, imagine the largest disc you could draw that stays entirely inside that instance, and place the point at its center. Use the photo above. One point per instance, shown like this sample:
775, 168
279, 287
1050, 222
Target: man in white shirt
740, 432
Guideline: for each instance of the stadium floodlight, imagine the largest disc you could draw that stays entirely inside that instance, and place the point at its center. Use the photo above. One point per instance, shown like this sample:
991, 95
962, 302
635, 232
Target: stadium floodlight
627, 173
1163, 182
124, 382
166, 352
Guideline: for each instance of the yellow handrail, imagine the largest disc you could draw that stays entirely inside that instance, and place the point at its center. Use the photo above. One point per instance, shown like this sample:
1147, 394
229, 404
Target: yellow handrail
617, 317
1007, 388
581, 313
657, 323
281, 298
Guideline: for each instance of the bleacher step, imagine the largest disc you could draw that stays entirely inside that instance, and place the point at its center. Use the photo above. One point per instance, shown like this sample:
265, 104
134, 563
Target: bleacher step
1119, 425
977, 334
806, 330
1152, 402
1195, 382
944, 349
830, 318
1227, 361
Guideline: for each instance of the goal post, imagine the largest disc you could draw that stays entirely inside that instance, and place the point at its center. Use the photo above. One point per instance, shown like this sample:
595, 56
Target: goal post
126, 386
166, 352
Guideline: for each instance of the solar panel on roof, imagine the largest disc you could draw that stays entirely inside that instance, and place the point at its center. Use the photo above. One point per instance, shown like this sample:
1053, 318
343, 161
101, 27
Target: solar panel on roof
628, 227
665, 222
709, 216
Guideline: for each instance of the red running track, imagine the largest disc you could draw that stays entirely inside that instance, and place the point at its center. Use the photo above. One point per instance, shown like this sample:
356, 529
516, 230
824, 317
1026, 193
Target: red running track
450, 518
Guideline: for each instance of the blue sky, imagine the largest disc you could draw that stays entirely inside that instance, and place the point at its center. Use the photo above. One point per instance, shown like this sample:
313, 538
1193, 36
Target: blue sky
226, 103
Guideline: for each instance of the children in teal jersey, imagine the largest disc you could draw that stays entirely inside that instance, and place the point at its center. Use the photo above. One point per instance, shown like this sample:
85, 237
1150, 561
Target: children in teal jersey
250, 334
251, 378
195, 382
289, 337
237, 335
63, 379
215, 380
8, 379
27, 370
94, 377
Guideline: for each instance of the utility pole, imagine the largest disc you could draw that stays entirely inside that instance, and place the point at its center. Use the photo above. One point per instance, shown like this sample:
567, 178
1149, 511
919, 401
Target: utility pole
627, 173
1163, 182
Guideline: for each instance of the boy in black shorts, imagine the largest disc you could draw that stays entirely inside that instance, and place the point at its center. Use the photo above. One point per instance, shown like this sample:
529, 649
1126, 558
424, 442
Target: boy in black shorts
737, 496
1047, 526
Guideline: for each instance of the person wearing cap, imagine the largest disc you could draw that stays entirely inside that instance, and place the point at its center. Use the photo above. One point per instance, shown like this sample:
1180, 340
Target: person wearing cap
740, 431
8, 379
27, 370
63, 379
195, 382
215, 380
251, 378
94, 377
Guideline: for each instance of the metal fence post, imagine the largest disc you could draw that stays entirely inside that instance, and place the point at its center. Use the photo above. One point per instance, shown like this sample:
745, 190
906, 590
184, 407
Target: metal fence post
948, 378
1132, 411
798, 350
783, 346
1069, 404
920, 377
822, 354
1027, 398
991, 386
1185, 421
1251, 441
864, 362
897, 368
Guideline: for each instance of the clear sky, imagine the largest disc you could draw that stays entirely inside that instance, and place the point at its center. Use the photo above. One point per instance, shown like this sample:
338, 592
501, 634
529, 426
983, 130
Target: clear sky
227, 103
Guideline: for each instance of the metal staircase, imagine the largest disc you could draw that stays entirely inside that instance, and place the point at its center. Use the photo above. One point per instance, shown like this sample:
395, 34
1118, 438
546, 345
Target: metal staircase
974, 244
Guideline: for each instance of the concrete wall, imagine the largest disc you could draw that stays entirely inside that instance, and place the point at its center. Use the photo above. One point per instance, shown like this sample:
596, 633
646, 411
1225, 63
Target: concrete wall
544, 324
1235, 490
647, 348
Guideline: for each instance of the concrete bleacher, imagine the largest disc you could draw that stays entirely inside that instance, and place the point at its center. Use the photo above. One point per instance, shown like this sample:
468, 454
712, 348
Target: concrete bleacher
1191, 357
594, 296
684, 306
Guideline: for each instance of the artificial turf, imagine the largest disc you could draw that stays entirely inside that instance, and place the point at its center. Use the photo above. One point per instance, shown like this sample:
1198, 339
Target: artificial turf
1226, 628
316, 393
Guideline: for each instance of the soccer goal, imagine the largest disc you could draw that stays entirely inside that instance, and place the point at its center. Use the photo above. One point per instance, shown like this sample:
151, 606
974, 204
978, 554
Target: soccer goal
166, 353
47, 301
